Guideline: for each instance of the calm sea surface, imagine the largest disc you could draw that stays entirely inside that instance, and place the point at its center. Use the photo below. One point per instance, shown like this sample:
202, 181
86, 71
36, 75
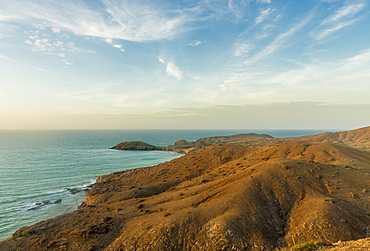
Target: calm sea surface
38, 167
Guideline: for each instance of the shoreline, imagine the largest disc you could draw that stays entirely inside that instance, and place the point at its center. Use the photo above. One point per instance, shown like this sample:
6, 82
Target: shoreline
61, 164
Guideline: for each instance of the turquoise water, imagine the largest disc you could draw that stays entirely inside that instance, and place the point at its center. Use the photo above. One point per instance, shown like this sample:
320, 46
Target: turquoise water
38, 167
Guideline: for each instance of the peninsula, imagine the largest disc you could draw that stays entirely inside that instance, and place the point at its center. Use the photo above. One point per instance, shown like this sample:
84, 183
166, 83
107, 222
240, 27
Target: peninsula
244, 192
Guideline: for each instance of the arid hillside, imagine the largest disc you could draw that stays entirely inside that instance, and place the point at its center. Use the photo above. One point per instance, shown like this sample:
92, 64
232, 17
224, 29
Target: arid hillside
269, 196
359, 138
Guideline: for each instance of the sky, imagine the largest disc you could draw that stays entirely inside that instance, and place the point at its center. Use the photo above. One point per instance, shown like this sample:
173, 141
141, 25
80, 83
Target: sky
207, 64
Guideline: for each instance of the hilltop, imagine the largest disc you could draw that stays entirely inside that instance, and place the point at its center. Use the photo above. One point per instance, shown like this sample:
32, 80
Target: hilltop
244, 194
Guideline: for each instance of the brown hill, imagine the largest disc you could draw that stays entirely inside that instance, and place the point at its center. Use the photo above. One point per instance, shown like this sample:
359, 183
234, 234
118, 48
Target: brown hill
221, 197
359, 138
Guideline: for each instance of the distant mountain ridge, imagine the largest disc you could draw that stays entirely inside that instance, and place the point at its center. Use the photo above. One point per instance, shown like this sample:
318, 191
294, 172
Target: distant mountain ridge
183, 146
358, 138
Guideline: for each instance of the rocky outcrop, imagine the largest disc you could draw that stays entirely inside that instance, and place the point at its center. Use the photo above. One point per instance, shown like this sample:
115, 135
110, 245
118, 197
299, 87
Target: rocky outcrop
357, 245
220, 197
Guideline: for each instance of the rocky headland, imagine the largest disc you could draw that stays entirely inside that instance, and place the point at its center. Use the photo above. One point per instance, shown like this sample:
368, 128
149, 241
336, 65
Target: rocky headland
226, 193
183, 146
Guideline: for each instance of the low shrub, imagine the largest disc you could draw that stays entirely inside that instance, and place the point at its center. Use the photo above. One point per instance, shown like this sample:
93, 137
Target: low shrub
27, 232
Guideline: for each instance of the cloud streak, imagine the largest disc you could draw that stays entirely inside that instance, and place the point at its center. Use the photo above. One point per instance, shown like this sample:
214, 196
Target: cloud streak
341, 81
4, 57
263, 1
344, 12
343, 17
195, 43
280, 40
35, 67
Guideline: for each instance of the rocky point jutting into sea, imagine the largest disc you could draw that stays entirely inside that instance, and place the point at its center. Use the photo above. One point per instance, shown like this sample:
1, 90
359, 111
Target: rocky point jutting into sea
241, 192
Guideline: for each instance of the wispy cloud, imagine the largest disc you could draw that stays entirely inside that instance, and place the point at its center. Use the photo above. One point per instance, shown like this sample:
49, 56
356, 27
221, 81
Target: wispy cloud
137, 21
243, 48
195, 43
4, 57
36, 68
263, 14
115, 45
237, 8
6, 29
66, 62
53, 42
263, 1
55, 30
161, 59
280, 40
341, 81
341, 18
359, 61
173, 70
143, 21
113, 96
325, 33
344, 12
55, 46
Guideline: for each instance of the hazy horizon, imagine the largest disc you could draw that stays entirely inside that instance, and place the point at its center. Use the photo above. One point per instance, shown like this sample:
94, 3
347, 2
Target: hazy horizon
228, 64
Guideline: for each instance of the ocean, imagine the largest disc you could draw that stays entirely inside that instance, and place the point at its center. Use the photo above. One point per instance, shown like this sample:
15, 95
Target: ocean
45, 173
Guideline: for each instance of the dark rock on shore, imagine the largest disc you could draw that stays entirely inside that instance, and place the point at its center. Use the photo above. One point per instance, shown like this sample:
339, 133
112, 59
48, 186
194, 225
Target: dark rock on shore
40, 204
77, 190
134, 145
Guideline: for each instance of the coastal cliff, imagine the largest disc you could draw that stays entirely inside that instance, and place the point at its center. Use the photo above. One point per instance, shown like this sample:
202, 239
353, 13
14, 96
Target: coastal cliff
233, 193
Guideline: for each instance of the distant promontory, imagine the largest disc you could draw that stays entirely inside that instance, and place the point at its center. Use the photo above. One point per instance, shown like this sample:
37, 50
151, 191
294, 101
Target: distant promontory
183, 146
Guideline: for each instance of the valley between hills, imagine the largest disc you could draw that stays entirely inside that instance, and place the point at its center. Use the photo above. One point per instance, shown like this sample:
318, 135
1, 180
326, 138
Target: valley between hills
241, 192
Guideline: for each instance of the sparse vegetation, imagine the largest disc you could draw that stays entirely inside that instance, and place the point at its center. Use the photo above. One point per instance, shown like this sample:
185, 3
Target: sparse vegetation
308, 246
27, 232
